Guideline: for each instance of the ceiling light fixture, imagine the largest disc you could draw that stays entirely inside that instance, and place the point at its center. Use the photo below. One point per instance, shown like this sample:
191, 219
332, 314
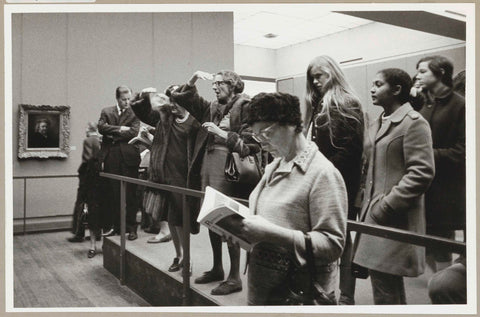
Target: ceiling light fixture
270, 35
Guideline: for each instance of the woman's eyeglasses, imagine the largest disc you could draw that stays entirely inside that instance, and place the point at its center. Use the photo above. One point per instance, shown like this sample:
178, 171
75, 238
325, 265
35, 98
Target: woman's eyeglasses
263, 135
219, 83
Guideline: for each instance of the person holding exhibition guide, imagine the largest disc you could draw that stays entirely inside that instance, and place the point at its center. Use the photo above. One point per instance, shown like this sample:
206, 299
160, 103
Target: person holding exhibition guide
224, 131
301, 193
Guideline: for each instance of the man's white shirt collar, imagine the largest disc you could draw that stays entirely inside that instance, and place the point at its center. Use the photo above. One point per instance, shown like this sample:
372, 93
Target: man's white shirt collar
119, 110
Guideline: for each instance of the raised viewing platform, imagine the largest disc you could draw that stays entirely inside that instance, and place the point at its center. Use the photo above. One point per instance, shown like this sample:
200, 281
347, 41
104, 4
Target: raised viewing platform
146, 270
144, 266
146, 273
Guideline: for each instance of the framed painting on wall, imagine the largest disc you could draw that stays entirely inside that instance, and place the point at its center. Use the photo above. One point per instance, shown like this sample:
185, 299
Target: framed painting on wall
43, 131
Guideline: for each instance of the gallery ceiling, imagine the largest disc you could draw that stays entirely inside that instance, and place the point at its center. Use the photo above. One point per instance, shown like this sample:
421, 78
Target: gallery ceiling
278, 26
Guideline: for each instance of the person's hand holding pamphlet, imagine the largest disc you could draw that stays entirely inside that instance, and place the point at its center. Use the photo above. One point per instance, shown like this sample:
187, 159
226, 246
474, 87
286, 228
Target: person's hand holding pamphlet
224, 216
143, 136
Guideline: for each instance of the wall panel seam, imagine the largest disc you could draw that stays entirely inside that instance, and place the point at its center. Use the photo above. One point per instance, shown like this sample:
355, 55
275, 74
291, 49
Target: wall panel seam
66, 59
153, 72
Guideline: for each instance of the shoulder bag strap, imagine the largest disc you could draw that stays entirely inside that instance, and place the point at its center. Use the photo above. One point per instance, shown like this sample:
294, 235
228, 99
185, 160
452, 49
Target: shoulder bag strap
310, 262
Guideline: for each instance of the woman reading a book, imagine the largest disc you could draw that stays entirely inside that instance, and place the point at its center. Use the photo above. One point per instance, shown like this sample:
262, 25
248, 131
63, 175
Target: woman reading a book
301, 192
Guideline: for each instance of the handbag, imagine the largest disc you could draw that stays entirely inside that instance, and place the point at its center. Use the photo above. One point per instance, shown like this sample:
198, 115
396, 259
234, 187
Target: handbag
243, 170
155, 204
314, 294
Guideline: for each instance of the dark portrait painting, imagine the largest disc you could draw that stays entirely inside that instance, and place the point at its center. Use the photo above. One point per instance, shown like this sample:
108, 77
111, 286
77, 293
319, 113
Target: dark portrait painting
43, 130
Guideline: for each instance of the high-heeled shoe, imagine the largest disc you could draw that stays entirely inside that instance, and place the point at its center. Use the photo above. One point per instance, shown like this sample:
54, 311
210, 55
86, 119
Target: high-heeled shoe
175, 265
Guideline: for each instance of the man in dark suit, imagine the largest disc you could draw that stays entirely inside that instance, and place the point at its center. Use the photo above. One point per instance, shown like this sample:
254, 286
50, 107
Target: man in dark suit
118, 124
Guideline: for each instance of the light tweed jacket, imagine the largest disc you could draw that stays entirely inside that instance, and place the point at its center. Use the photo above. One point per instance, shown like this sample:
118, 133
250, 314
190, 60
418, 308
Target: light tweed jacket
306, 195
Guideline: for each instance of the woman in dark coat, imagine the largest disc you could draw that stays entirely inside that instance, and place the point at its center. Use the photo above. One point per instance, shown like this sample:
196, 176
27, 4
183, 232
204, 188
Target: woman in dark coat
335, 115
445, 200
400, 169
171, 149
224, 130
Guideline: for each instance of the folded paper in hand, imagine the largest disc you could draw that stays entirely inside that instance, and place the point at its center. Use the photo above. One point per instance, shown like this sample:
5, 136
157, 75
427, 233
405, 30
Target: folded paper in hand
222, 214
142, 138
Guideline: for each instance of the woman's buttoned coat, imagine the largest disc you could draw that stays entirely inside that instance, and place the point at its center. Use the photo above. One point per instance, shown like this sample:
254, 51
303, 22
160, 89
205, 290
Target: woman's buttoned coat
445, 200
401, 168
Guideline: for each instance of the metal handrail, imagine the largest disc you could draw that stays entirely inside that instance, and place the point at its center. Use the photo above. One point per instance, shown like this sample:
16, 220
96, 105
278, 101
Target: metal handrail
45, 176
25, 193
169, 188
375, 230
406, 236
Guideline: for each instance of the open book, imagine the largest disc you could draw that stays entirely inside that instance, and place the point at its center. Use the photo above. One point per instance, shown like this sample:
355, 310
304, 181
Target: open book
221, 214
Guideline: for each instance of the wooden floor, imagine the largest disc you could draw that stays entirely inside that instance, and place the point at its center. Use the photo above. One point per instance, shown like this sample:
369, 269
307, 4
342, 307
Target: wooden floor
49, 271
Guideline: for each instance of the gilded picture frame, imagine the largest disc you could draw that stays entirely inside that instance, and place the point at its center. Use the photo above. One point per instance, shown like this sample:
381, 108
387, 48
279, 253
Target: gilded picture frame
43, 131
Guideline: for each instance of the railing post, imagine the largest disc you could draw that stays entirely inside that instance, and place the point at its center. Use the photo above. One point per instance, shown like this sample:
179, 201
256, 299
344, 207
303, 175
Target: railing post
186, 253
123, 230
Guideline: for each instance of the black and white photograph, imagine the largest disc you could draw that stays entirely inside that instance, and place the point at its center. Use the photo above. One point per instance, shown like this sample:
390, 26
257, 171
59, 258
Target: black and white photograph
344, 130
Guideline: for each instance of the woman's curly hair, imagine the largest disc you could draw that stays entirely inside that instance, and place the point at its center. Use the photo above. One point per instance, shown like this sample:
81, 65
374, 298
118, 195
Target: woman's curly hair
233, 79
398, 77
275, 107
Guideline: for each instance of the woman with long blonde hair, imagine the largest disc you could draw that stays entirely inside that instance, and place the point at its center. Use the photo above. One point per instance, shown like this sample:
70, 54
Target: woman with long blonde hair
335, 116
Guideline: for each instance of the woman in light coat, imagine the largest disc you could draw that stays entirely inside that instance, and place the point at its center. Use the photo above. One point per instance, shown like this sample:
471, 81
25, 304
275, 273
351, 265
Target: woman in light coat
401, 168
301, 192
